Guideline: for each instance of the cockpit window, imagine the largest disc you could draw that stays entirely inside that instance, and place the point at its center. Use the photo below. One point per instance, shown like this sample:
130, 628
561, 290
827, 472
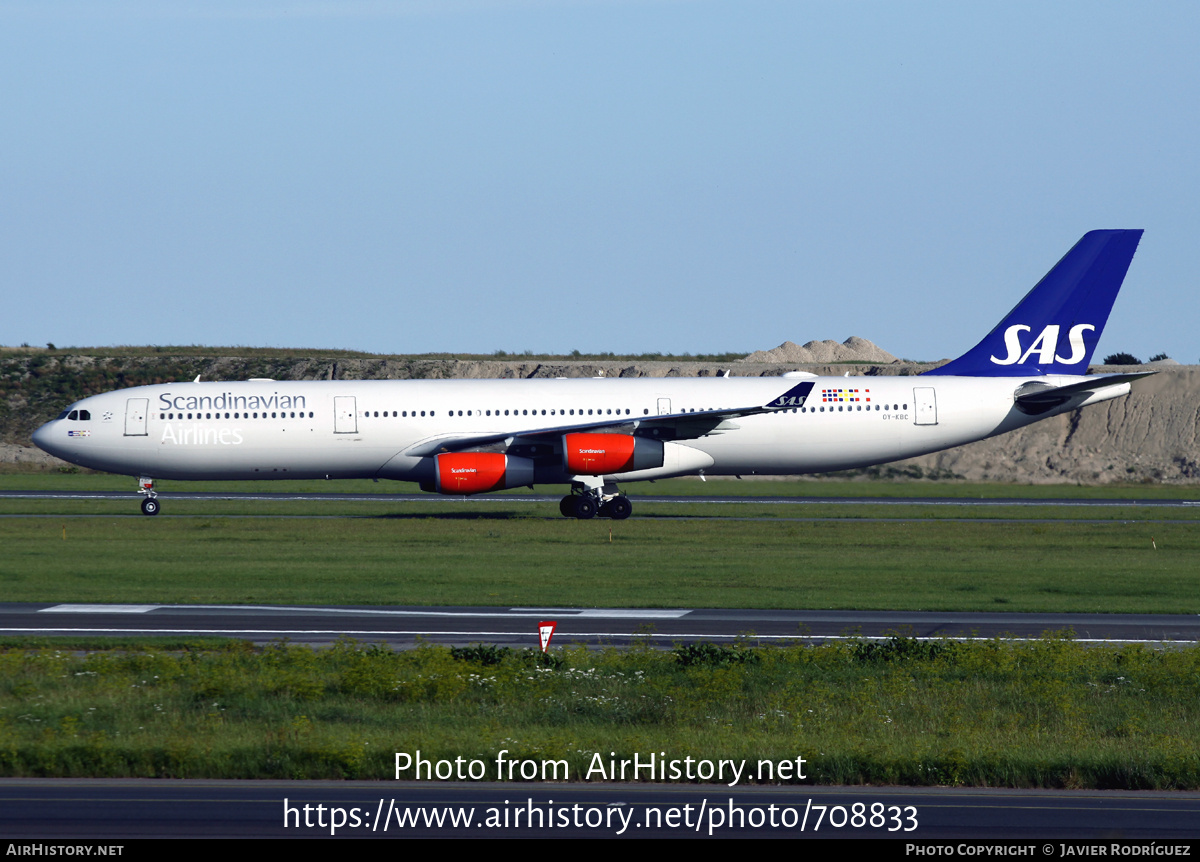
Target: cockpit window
62, 415
85, 416
73, 415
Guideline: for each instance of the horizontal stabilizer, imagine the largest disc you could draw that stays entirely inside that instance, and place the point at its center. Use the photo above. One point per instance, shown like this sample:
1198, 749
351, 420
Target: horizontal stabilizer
1038, 398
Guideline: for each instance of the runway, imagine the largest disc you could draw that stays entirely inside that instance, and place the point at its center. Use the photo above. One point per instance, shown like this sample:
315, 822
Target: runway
404, 627
493, 499
1081, 511
113, 810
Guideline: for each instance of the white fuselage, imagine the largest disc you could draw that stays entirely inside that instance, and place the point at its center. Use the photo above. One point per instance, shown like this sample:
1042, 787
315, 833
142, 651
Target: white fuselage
388, 429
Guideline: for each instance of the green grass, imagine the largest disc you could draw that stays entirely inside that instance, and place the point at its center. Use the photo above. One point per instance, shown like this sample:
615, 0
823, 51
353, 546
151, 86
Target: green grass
493, 551
1042, 714
527, 555
1045, 714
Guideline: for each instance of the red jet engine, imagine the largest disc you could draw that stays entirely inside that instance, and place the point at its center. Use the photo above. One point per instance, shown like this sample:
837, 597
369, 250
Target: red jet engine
600, 454
478, 472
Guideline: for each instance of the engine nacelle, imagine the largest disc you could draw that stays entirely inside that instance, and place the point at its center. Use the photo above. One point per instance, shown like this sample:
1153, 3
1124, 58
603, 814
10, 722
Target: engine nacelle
478, 472
601, 454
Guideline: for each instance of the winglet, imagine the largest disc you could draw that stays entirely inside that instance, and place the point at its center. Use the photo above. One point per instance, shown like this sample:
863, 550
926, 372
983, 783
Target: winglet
1055, 328
794, 397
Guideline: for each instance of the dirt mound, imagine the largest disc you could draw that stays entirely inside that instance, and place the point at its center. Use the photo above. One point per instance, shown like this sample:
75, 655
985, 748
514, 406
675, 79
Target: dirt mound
853, 349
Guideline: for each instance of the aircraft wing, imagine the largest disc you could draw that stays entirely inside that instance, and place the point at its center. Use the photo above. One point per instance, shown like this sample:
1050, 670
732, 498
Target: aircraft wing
1037, 398
671, 426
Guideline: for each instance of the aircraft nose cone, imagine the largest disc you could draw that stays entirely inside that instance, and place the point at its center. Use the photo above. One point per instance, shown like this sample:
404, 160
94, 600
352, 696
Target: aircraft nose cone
43, 438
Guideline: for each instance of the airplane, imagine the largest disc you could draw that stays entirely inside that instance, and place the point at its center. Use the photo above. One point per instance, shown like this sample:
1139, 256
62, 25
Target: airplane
465, 437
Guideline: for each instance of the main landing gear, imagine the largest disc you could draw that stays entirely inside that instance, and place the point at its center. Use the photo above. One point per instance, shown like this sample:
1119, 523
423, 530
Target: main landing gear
150, 504
589, 500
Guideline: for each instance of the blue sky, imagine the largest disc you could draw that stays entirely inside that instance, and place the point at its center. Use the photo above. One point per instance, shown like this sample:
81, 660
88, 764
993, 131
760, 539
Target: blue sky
603, 176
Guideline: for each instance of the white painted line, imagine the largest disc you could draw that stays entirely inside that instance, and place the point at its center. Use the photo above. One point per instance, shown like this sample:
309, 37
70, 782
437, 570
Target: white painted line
98, 609
610, 613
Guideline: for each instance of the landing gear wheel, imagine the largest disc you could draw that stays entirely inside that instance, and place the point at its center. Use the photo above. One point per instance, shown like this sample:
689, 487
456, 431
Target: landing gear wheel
585, 508
567, 506
149, 506
618, 508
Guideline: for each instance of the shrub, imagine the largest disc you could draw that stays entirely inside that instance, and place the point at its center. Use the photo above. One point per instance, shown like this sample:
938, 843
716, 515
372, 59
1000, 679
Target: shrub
902, 649
484, 654
714, 655
1122, 359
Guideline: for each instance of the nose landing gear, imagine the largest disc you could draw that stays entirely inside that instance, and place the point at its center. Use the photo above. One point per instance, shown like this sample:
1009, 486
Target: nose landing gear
150, 504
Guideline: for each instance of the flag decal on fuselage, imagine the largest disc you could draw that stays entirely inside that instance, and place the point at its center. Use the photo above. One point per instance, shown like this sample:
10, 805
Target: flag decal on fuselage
828, 395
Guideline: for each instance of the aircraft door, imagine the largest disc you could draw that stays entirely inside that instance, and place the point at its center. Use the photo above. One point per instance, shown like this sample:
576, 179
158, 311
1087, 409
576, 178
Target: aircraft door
135, 416
664, 406
926, 403
345, 415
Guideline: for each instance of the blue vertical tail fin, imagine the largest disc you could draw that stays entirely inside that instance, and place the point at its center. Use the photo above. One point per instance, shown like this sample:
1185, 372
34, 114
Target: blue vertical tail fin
1055, 328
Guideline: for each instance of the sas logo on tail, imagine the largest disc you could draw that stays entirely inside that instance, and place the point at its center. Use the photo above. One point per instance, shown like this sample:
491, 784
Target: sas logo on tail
787, 401
1045, 345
